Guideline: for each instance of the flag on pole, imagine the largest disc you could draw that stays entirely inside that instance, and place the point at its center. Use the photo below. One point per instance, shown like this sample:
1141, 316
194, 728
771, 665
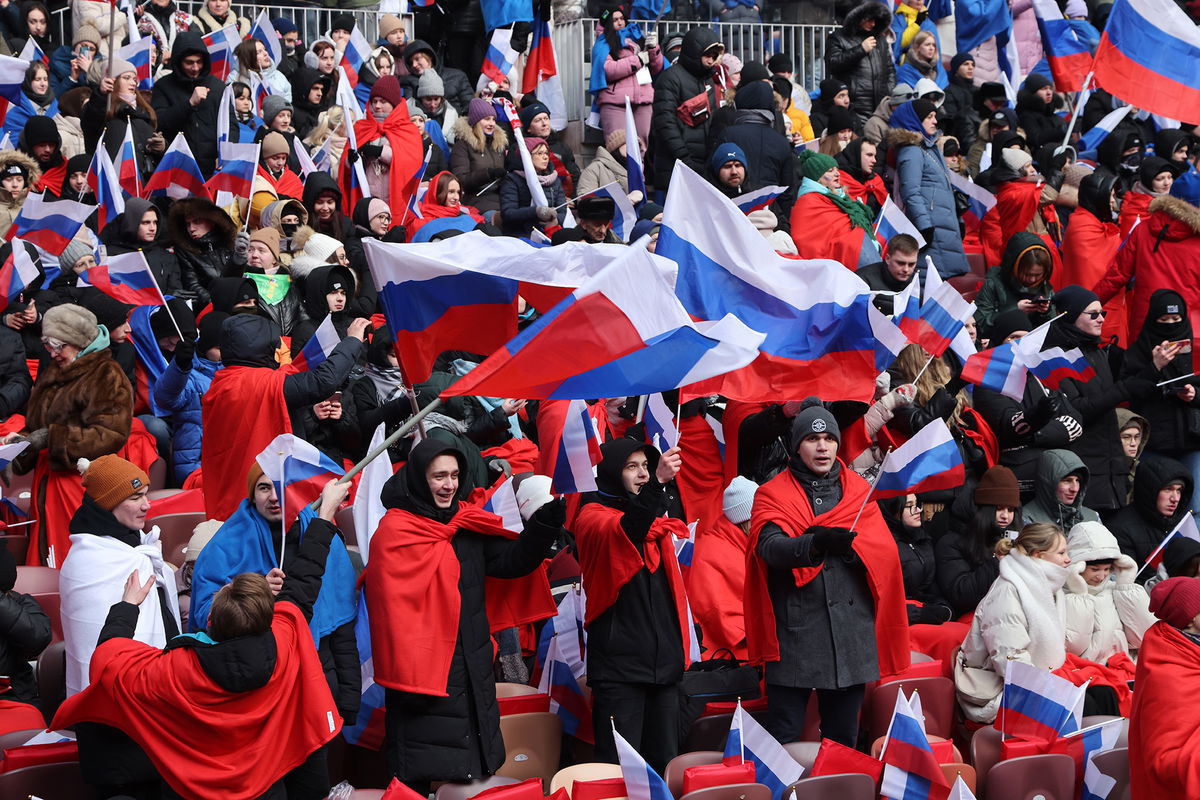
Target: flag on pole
137, 52
961, 345
660, 423
1037, 704
32, 52
563, 667
979, 200
635, 171
220, 46
503, 503
355, 56
928, 461
1068, 54
1185, 529
239, 165
641, 781
892, 220
758, 199
16, 273
749, 741
910, 770
500, 59
126, 277
1055, 365
307, 167
1088, 743
941, 317
541, 72
299, 471
10, 451
178, 175
577, 452
319, 346
50, 225
110, 197
1096, 134
126, 166
265, 32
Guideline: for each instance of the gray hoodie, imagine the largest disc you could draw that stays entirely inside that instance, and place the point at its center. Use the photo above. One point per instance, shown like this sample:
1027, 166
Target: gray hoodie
1053, 466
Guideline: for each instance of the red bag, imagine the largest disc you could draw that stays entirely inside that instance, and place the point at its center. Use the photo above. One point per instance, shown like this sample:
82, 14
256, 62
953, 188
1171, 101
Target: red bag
32, 755
602, 789
837, 759
523, 704
706, 776
530, 789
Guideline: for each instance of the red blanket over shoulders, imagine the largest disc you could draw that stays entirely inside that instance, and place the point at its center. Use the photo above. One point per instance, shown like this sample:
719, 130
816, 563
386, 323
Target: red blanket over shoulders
414, 602
827, 231
1164, 748
407, 154
206, 741
609, 560
782, 501
242, 411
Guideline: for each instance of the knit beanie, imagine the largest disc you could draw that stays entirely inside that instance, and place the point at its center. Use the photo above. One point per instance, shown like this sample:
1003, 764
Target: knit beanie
86, 32
1007, 323
272, 105
1072, 300
752, 72
377, 207
757, 95
283, 26
388, 87
252, 477
901, 93
830, 87
269, 237
839, 119
479, 109
1176, 601
614, 140
40, 130
998, 487
724, 154
1016, 159
813, 418
780, 62
273, 144
210, 331
71, 324
534, 142
1035, 81
430, 85
75, 250
387, 24
415, 110
813, 164
320, 247
342, 22
110, 312
109, 480
8, 570
922, 107
960, 59
532, 110
1076, 8
738, 499
202, 534
119, 67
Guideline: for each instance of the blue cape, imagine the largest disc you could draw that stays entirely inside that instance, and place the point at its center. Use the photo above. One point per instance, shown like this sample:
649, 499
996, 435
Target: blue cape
148, 353
245, 543
907, 73
601, 51
434, 131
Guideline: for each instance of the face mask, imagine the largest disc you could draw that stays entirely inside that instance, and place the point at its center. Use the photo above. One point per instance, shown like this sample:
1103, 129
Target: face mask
289, 229
1132, 162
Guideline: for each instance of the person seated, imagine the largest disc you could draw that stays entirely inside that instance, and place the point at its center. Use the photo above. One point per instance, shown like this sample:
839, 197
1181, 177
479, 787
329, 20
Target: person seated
24, 634
925, 605
834, 226
1022, 281
247, 690
966, 566
891, 276
595, 217
856, 163
1059, 491
1161, 489
1107, 613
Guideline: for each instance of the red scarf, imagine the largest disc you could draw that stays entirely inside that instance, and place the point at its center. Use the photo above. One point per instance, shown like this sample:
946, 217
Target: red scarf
242, 411
204, 740
782, 501
609, 560
1164, 748
407, 155
414, 601
52, 180
286, 185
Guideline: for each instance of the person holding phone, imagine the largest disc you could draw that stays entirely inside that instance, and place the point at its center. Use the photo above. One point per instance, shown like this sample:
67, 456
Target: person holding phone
860, 56
69, 65
1022, 282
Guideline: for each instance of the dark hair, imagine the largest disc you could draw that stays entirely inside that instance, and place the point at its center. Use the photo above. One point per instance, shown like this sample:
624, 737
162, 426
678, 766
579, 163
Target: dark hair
242, 607
902, 243
982, 537
1034, 256
1102, 562
443, 188
246, 54
239, 87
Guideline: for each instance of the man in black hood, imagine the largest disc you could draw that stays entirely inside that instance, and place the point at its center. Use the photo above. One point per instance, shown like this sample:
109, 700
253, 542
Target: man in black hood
418, 57
1162, 492
187, 100
681, 133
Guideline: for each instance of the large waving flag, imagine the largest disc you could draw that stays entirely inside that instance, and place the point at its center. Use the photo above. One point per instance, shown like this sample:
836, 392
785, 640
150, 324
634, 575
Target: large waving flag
749, 741
12, 75
910, 770
641, 781
16, 273
178, 175
928, 461
354, 58
635, 171
50, 225
103, 179
976, 21
622, 333
1055, 365
238, 166
220, 46
1037, 704
892, 220
541, 72
126, 277
500, 59
1148, 56
576, 452
299, 471
265, 32
758, 198
820, 335
1068, 54
460, 293
137, 52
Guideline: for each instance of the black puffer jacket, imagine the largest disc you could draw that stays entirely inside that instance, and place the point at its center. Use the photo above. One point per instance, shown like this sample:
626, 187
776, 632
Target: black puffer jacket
870, 76
24, 633
172, 102
1174, 428
457, 87
304, 113
1041, 124
918, 566
121, 237
772, 160
680, 82
963, 575
962, 118
1139, 527
457, 737
15, 381
203, 260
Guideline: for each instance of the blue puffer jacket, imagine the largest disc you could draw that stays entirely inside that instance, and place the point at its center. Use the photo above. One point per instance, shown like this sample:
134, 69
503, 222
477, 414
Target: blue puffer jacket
179, 393
928, 199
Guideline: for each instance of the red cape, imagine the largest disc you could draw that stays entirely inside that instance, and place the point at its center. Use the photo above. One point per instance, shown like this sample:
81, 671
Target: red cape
1164, 745
858, 190
242, 411
407, 155
827, 231
1088, 248
52, 180
701, 479
736, 412
414, 602
716, 586
782, 501
1134, 206
205, 741
286, 185
432, 209
609, 560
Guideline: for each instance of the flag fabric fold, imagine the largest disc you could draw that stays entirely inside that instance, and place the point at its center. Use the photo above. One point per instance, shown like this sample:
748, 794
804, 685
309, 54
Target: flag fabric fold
1037, 704
178, 175
126, 277
50, 225
1148, 55
928, 461
749, 741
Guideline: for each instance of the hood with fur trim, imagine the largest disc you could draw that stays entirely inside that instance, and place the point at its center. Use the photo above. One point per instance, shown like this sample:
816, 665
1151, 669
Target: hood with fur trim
899, 137
466, 133
223, 227
851, 25
8, 157
1184, 218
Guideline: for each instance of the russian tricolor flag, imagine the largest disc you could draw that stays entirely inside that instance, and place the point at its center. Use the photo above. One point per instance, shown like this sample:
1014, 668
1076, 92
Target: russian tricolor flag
500, 58
1068, 54
32, 52
1055, 365
16, 273
635, 171
413, 188
10, 451
928, 461
1088, 743
749, 741
563, 666
757, 199
660, 423
1186, 528
641, 781
1148, 56
238, 166
358, 50
126, 277
12, 75
50, 225
816, 314
137, 53
220, 46
999, 369
178, 175
102, 178
299, 471
892, 221
317, 349
942, 316
541, 72
910, 769
980, 200
622, 333
265, 32
577, 452
1096, 134
370, 725
1037, 704
503, 503
127, 168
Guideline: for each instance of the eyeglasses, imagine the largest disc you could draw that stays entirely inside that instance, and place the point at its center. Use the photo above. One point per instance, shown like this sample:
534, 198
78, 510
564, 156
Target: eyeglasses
53, 346
1096, 314
912, 506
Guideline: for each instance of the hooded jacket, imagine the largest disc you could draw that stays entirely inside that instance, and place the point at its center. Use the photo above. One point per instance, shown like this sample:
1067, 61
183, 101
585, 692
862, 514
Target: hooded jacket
1054, 466
1091, 241
305, 113
1002, 290
171, 100
458, 89
684, 80
10, 203
1139, 527
869, 76
203, 260
121, 237
1108, 619
1174, 424
339, 227
1041, 124
927, 196
772, 160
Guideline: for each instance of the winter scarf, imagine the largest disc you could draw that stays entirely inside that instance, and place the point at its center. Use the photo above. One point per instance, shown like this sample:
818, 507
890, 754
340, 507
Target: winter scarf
1038, 583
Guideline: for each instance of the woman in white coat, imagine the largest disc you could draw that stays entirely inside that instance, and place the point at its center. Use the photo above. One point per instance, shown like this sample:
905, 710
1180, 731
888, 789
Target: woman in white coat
1020, 619
1107, 611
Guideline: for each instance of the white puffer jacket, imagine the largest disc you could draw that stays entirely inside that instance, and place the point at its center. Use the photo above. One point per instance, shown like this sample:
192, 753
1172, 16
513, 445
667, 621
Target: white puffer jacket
1020, 619
1112, 617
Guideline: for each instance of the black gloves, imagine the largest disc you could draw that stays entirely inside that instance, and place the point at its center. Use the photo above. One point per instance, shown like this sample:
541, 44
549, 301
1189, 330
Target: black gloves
520, 36
351, 155
929, 614
831, 541
553, 514
370, 151
496, 173
183, 354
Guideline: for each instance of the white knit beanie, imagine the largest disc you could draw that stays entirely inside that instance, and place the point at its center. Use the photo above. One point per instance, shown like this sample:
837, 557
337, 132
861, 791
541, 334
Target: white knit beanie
738, 499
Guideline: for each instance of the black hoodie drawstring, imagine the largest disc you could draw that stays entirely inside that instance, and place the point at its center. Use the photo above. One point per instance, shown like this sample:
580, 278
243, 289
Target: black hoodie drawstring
1158, 239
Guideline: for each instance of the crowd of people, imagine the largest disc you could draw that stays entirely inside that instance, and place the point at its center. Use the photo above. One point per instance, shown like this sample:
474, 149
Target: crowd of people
1047, 553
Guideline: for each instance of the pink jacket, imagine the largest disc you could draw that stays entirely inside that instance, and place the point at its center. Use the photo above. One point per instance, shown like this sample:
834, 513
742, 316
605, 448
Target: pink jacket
1025, 29
620, 70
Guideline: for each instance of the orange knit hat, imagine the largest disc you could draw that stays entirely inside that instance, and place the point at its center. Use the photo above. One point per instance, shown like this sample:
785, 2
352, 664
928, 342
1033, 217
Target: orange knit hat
110, 479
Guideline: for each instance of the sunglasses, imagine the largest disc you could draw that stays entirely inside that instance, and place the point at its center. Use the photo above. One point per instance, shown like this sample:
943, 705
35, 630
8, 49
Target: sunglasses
1096, 314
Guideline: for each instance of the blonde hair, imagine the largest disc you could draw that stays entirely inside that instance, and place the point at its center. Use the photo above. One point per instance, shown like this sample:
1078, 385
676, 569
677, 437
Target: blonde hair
327, 122
1036, 537
909, 363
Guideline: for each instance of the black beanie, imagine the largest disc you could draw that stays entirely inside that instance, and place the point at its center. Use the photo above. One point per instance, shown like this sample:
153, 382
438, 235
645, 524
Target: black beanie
1007, 323
8, 570
78, 163
1072, 300
39, 130
110, 312
210, 331
923, 108
753, 71
813, 418
342, 22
